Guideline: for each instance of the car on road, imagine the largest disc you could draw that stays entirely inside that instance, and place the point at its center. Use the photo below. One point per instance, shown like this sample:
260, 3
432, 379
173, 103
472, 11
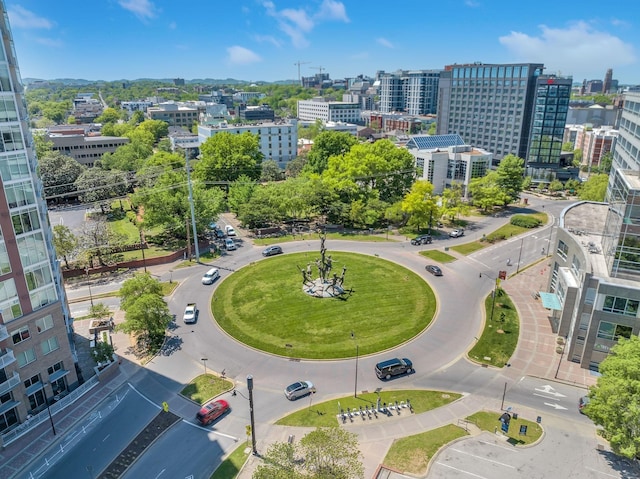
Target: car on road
423, 239
457, 233
393, 367
219, 233
299, 389
212, 411
434, 270
272, 250
582, 403
190, 313
229, 230
229, 244
210, 276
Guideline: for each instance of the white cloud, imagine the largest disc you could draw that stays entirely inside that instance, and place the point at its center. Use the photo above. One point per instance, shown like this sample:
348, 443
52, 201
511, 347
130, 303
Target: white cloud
298, 23
22, 18
472, 3
384, 42
332, 10
268, 39
242, 56
143, 9
575, 50
49, 42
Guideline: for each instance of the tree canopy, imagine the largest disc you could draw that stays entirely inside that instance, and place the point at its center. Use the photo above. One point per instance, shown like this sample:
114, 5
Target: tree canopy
95, 184
326, 453
595, 188
614, 403
421, 204
226, 157
510, 175
326, 145
59, 173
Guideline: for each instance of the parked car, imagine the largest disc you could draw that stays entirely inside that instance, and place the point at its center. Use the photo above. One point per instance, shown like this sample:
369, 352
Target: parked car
393, 367
424, 239
229, 230
434, 270
299, 389
582, 403
272, 250
212, 411
457, 233
210, 276
229, 244
219, 233
213, 226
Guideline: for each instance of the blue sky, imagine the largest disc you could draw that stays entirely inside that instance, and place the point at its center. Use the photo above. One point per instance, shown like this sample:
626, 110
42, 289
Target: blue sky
257, 40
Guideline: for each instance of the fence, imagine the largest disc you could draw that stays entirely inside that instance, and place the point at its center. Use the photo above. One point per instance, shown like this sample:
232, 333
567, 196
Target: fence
43, 416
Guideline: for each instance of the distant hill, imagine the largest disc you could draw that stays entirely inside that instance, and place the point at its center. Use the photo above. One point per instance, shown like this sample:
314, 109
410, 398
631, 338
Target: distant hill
198, 81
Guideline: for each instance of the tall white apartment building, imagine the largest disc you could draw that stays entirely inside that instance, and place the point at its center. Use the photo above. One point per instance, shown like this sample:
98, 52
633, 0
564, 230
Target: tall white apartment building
414, 92
336, 111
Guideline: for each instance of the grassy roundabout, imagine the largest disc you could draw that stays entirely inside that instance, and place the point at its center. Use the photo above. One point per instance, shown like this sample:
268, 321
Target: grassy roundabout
263, 306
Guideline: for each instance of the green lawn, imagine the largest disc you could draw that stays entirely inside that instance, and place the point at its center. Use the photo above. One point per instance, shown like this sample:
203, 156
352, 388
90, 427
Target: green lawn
325, 413
264, 306
439, 256
489, 421
230, 467
500, 336
205, 387
468, 248
412, 454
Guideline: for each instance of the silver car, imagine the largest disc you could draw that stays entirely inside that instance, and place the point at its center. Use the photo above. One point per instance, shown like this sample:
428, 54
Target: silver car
299, 389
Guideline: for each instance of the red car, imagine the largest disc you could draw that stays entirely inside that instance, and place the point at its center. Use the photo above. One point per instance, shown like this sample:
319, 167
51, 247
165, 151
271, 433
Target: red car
212, 411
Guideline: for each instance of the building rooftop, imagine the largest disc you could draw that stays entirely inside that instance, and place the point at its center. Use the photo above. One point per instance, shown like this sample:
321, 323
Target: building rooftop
585, 221
431, 142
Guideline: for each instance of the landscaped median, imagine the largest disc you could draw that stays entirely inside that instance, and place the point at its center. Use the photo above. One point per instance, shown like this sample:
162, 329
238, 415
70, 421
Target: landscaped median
412, 454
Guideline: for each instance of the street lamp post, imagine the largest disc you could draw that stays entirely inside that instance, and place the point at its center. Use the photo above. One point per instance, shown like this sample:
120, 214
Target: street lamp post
144, 260
253, 426
46, 400
204, 361
86, 270
520, 256
355, 384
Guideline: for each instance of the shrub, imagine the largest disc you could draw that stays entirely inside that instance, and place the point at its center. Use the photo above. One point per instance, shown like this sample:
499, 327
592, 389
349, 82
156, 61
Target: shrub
525, 221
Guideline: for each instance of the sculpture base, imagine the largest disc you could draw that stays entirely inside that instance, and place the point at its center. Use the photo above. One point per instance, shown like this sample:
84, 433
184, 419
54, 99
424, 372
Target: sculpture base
319, 288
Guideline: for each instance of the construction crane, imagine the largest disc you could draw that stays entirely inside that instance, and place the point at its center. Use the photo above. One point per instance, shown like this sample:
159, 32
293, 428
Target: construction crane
320, 69
300, 63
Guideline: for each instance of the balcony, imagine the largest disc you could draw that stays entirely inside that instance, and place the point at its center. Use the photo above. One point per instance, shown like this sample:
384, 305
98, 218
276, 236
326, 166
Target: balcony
10, 383
4, 334
6, 357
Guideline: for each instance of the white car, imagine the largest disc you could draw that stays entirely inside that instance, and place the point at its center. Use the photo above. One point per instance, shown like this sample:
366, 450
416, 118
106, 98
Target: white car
229, 230
457, 233
210, 276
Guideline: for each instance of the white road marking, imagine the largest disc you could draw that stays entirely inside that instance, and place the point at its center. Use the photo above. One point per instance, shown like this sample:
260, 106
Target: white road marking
106, 437
484, 459
510, 449
549, 390
600, 472
461, 470
555, 406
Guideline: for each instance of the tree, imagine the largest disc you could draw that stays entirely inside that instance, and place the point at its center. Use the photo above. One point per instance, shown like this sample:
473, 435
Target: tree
270, 171
577, 157
98, 240
510, 175
65, 242
147, 317
432, 128
109, 115
614, 399
595, 188
42, 145
95, 185
325, 453
141, 284
157, 128
452, 202
421, 204
567, 146
59, 173
295, 166
605, 163
326, 145
487, 193
240, 192
555, 186
226, 157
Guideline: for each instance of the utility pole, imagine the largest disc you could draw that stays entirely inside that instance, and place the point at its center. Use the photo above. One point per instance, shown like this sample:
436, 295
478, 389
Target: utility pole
300, 63
193, 214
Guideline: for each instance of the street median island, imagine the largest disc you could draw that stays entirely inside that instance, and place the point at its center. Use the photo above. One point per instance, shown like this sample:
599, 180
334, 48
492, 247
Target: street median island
152, 431
381, 306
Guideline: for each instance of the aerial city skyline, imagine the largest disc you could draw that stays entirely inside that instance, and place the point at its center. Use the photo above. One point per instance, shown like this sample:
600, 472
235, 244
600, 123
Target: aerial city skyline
271, 40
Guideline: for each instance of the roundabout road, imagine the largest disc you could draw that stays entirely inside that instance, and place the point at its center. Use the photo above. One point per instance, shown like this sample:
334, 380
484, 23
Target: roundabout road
438, 353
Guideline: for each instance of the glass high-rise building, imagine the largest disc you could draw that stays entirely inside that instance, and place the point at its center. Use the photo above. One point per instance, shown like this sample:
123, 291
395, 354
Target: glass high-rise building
489, 105
414, 92
37, 356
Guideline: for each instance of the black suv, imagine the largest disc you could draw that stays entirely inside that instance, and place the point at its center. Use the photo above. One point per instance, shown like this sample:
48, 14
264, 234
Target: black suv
424, 239
393, 367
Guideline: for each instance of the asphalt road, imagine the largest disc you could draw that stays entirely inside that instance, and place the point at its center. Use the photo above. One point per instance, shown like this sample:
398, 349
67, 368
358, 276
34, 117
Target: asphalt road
436, 353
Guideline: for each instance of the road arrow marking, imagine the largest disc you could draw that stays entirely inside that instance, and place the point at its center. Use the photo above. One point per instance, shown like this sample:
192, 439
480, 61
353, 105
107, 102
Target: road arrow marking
549, 390
555, 406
